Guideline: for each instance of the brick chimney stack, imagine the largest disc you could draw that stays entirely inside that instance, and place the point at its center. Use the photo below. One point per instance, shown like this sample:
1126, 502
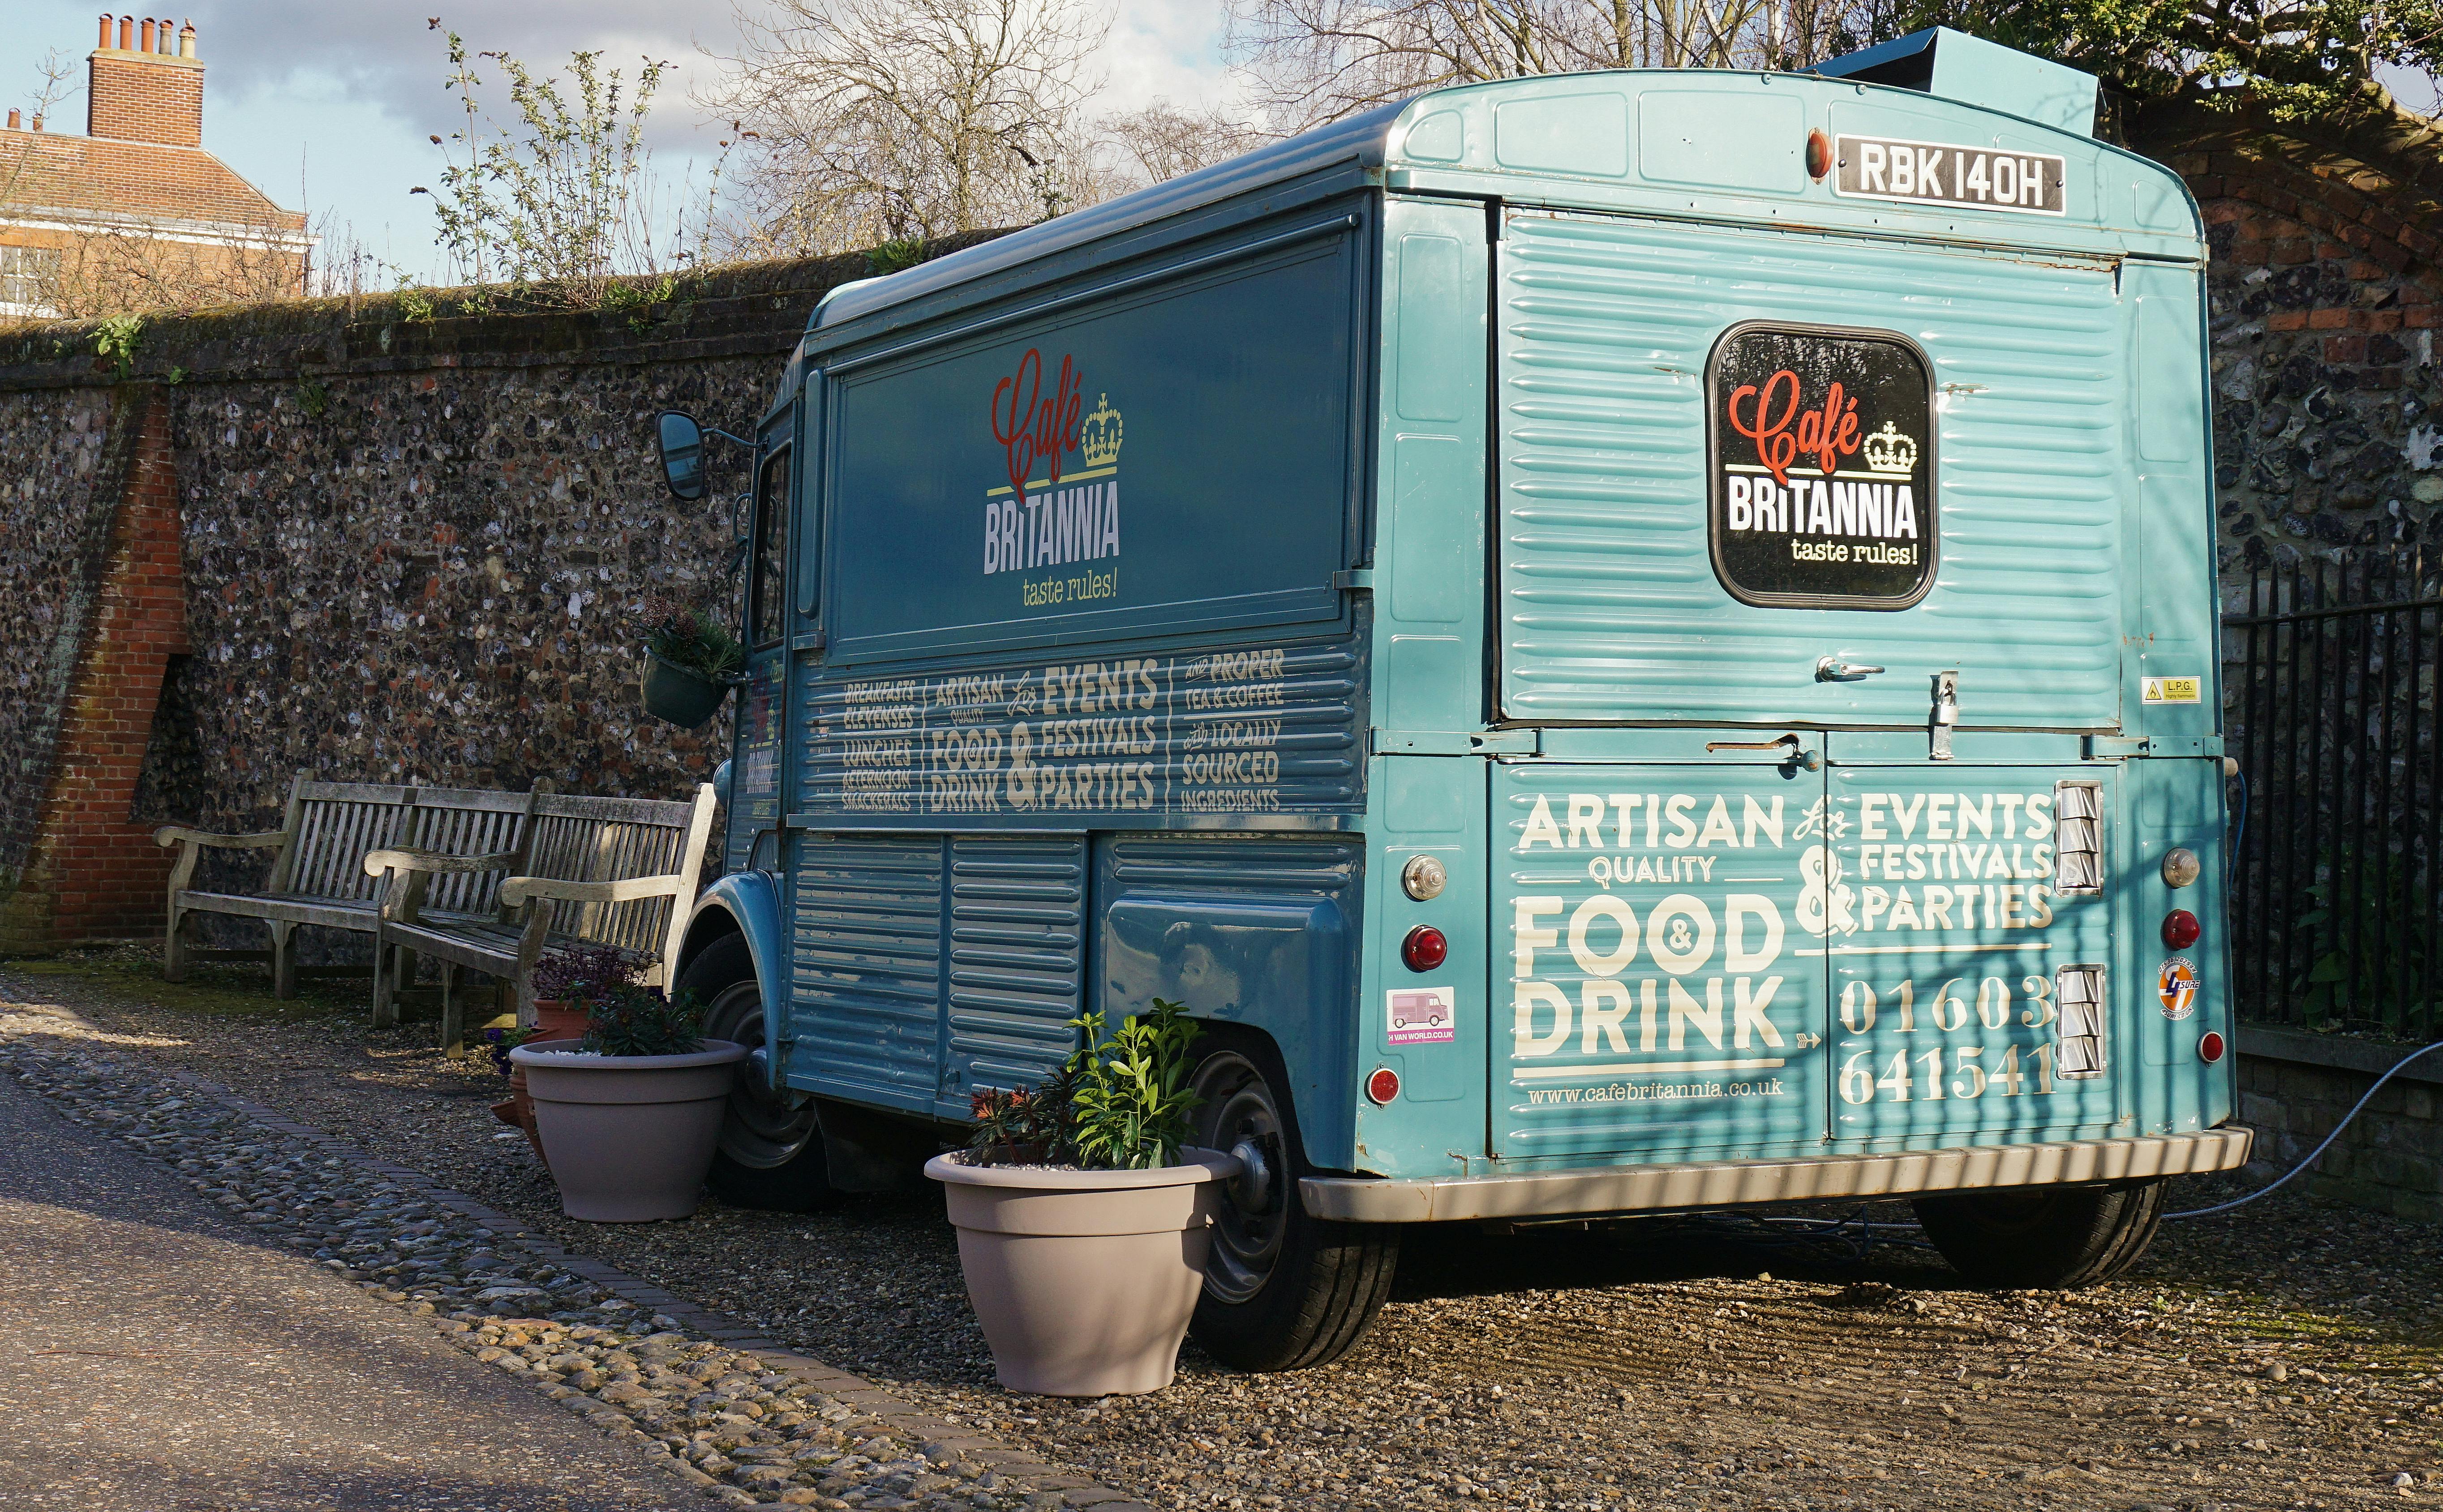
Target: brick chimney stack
143, 90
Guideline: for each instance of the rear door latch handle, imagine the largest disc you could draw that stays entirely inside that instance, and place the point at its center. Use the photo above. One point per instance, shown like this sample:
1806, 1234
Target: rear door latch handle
1799, 755
1833, 670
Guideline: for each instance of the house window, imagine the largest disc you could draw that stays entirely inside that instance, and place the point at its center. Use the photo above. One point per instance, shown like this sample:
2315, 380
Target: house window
23, 271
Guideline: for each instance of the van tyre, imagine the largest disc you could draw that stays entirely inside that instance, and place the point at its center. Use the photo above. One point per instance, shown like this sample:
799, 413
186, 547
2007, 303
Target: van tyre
2047, 1237
771, 1153
1283, 1290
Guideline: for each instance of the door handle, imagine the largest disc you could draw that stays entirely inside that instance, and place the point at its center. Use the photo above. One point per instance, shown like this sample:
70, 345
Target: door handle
1799, 755
1833, 670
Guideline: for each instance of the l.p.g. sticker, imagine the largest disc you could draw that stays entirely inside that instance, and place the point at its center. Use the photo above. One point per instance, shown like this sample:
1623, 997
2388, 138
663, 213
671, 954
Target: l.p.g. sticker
1422, 1015
2170, 689
2175, 986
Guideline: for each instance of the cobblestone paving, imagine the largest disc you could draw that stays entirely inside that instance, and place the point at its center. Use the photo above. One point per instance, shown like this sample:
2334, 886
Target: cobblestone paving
2285, 1356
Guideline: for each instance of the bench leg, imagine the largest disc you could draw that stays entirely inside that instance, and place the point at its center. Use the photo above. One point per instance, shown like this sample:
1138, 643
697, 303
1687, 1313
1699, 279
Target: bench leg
283, 960
454, 1014
174, 946
393, 970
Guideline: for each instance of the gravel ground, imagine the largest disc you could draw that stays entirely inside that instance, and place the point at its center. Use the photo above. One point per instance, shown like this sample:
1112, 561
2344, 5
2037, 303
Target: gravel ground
2286, 1356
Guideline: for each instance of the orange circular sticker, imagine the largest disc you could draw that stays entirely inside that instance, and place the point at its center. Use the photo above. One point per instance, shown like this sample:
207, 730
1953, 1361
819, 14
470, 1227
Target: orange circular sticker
2176, 985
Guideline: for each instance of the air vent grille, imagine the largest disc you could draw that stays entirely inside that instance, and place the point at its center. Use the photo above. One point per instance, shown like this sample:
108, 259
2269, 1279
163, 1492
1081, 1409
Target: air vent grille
2078, 992
2078, 844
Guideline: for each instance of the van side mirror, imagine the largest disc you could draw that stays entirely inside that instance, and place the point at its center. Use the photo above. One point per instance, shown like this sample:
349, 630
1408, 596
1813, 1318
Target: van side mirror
682, 444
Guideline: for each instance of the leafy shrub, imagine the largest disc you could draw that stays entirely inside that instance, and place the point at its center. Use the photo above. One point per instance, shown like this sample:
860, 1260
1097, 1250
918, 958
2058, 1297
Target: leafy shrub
1116, 1104
639, 1021
592, 972
698, 642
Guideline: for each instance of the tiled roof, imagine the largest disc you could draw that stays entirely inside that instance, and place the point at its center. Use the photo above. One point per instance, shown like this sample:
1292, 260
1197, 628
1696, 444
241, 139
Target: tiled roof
140, 180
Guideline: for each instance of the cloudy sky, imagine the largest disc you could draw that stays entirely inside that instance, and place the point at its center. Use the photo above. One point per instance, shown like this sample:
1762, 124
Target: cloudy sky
327, 106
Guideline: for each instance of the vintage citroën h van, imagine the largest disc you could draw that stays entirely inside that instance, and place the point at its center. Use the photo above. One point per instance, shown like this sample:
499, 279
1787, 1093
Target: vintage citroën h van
1624, 641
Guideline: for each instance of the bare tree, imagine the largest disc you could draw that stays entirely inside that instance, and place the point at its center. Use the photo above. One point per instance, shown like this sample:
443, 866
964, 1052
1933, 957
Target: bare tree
1313, 60
1161, 142
865, 122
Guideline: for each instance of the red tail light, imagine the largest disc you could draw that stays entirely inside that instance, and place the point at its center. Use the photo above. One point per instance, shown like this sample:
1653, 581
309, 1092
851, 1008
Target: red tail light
2210, 1048
2181, 929
1383, 1085
1425, 950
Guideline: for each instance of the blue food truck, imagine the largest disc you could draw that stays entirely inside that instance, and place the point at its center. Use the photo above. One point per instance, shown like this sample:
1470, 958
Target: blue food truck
1624, 641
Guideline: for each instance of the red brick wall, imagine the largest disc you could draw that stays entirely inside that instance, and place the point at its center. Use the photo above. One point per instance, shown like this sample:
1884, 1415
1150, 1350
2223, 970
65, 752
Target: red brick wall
2324, 300
142, 97
91, 874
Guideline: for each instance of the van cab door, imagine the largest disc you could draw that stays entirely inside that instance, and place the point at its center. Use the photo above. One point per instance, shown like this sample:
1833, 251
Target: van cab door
756, 776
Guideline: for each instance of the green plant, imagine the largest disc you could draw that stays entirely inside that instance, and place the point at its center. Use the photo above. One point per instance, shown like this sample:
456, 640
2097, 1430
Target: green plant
895, 255
698, 642
558, 197
117, 339
635, 1021
2381, 981
312, 397
1115, 1104
637, 299
414, 306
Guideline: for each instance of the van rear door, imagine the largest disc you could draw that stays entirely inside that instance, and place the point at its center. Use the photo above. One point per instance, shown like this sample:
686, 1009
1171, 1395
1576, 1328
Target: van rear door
1665, 967
1734, 462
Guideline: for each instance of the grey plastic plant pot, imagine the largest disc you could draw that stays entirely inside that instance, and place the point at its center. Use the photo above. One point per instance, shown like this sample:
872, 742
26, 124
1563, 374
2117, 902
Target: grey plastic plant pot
683, 697
628, 1138
1084, 1279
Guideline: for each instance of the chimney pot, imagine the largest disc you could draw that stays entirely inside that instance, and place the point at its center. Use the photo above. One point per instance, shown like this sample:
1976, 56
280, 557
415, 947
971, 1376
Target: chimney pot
13, 121
127, 33
144, 35
187, 40
37, 123
105, 42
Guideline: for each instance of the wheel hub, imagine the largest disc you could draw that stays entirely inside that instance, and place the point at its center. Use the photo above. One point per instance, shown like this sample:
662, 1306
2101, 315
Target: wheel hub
1238, 1114
763, 1128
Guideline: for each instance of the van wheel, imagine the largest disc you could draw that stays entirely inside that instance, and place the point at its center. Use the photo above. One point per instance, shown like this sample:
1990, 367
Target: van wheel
1283, 1290
771, 1153
2049, 1238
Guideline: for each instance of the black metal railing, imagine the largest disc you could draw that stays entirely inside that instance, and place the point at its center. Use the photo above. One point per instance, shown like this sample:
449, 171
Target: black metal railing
2331, 714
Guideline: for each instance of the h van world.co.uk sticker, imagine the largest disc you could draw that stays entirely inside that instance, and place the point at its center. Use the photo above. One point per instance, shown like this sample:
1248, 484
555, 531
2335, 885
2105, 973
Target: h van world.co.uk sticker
1422, 1015
2175, 986
2170, 689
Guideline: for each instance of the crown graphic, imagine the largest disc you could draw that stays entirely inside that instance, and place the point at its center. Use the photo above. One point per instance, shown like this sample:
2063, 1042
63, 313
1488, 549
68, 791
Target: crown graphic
1098, 436
1887, 451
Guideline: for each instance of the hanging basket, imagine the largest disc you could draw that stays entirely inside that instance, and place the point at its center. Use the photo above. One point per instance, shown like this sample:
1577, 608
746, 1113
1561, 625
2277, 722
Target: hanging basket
683, 697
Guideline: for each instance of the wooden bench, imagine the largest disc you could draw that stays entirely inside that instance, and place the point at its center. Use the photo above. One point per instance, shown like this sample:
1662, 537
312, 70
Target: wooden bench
620, 871
317, 877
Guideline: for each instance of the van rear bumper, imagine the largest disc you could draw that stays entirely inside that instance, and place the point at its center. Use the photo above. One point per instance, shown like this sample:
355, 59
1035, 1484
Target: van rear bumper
1731, 1183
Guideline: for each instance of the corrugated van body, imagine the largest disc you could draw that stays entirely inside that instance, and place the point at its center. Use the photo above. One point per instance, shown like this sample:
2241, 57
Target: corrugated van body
1781, 602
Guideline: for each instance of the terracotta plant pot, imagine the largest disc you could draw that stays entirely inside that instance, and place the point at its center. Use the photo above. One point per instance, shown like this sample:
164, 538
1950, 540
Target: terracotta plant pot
1084, 1279
559, 1019
628, 1138
517, 1110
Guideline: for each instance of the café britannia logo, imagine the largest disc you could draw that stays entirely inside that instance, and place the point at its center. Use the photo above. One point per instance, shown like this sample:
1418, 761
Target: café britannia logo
1887, 451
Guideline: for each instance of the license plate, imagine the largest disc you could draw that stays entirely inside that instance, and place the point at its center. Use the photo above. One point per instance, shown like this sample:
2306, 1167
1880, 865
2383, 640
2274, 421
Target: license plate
1947, 173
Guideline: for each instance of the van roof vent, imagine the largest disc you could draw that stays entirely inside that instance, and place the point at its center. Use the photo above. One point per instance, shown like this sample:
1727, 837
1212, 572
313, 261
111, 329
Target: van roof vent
1956, 65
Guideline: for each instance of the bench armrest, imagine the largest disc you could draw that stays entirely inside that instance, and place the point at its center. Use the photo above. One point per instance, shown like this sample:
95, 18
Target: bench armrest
407, 858
180, 835
521, 889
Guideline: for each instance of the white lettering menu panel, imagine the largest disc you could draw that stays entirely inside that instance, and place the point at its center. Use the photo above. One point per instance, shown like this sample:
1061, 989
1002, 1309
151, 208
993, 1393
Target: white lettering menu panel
1249, 730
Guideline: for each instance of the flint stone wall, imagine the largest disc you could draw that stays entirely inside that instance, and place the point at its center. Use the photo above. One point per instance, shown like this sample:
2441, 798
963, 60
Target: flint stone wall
413, 550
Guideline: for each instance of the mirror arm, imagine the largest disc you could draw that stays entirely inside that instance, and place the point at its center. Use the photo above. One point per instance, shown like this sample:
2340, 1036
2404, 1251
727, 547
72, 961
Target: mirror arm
738, 440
